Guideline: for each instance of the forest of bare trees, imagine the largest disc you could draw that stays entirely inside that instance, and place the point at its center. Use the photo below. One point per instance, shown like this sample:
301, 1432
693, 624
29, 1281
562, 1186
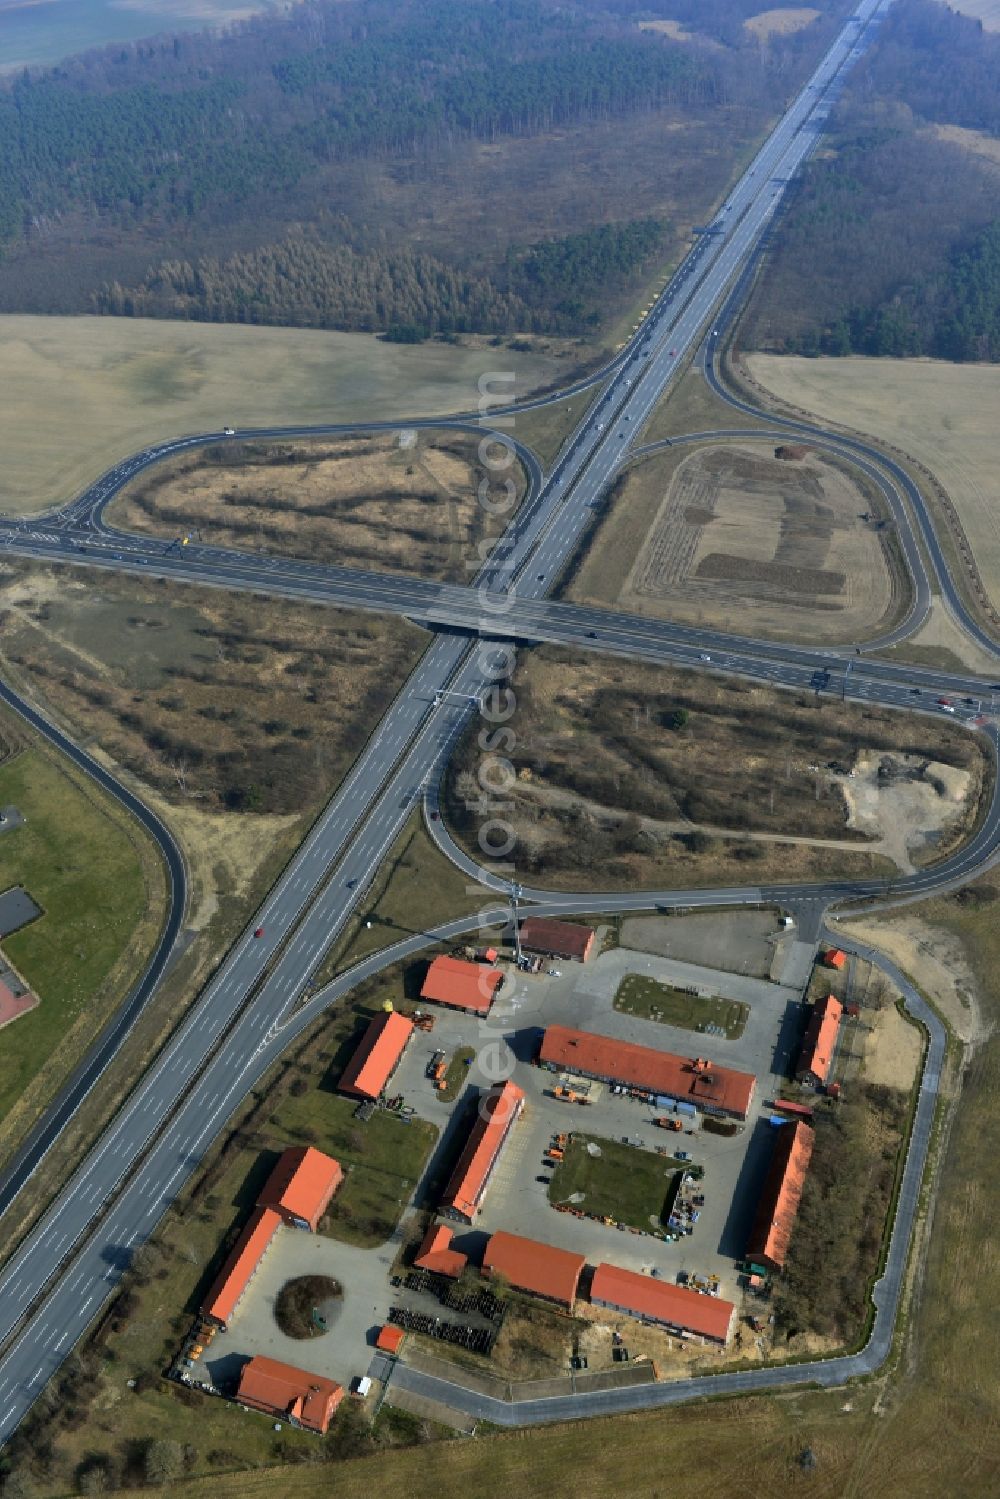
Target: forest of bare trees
891, 243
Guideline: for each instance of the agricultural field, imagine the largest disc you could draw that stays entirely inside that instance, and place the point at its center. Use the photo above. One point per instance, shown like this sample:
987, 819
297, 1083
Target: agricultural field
606, 1179
398, 502
692, 779
98, 880
653, 1000
107, 387
734, 537
941, 415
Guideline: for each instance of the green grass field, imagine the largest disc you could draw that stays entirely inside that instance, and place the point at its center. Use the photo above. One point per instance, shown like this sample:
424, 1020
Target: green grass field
82, 862
382, 1159
458, 1071
653, 1000
627, 1185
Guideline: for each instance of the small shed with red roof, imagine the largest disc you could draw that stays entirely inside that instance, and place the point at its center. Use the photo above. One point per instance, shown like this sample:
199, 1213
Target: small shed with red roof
436, 1254
390, 1339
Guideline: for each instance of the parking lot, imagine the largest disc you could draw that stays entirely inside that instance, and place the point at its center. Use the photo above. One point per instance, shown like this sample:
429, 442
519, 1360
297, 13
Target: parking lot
518, 1200
749, 942
581, 995
342, 1352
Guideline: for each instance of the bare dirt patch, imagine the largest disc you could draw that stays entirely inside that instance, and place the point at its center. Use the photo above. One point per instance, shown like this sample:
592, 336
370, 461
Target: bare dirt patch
404, 501
942, 415
605, 757
673, 29
936, 960
912, 804
780, 22
749, 542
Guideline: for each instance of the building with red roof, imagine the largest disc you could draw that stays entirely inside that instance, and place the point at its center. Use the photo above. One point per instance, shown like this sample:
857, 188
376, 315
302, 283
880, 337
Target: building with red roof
296, 1192
833, 958
303, 1399
557, 939
537, 1268
390, 1339
715, 1090
301, 1185
779, 1201
462, 985
467, 1185
370, 1069
436, 1254
820, 1042
658, 1301
240, 1266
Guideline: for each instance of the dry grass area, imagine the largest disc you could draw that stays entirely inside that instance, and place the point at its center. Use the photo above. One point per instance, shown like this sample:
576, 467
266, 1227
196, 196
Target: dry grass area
892, 1050
415, 889
977, 142
733, 537
782, 21
673, 29
546, 428
940, 642
987, 11
215, 701
401, 502
82, 392
943, 415
691, 406
692, 779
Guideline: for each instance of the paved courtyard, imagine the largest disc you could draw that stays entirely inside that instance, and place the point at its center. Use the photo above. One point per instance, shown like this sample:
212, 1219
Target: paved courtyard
579, 995
345, 1350
742, 942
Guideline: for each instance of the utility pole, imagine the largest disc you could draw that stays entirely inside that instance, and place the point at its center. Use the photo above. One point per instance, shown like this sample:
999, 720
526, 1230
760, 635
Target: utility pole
847, 676
516, 892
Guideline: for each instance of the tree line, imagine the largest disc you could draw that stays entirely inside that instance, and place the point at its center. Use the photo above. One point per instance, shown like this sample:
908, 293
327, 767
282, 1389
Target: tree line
891, 242
213, 143
142, 131
552, 286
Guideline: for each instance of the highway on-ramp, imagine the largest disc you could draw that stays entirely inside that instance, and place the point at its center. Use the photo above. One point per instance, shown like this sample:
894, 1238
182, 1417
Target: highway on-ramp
54, 1284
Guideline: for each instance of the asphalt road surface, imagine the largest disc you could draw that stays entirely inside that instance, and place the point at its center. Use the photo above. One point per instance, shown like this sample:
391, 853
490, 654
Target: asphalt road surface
57, 1280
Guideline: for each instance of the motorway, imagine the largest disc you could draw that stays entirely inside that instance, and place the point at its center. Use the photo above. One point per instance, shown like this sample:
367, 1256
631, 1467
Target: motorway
71, 1261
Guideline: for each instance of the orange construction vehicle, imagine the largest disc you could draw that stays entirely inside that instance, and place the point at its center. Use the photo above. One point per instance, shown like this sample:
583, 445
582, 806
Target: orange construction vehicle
665, 1122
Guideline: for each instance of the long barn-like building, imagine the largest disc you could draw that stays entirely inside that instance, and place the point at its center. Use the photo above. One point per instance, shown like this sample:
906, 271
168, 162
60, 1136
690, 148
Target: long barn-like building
697, 1081
467, 1185
779, 1201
